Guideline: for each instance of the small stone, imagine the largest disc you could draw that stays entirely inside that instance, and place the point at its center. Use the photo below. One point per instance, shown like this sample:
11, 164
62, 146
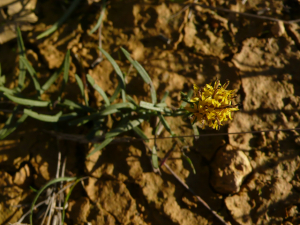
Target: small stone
239, 207
22, 177
80, 210
229, 169
278, 29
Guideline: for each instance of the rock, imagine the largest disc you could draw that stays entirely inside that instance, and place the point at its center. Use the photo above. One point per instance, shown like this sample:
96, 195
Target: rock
21, 15
239, 207
278, 29
79, 210
11, 196
22, 177
114, 198
229, 169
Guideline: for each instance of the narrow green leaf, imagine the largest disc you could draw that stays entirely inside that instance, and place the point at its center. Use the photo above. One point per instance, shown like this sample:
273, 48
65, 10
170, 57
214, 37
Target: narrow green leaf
154, 158
33, 189
165, 123
123, 128
97, 88
60, 21
100, 18
157, 129
123, 93
189, 95
57, 180
7, 90
166, 94
21, 48
116, 93
14, 127
74, 105
85, 119
130, 99
189, 162
51, 80
148, 105
67, 116
66, 72
43, 117
67, 199
183, 95
139, 132
81, 87
97, 129
195, 130
98, 147
127, 55
27, 102
115, 66
32, 73
10, 126
143, 74
161, 105
2, 80
106, 111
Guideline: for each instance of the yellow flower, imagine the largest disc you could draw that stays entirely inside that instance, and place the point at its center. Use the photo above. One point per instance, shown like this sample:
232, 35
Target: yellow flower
212, 105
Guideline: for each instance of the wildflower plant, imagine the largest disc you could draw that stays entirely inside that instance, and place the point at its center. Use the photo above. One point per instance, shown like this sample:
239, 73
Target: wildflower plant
212, 105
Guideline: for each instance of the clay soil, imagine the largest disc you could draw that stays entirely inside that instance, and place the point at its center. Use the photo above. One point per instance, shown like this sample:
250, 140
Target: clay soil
247, 178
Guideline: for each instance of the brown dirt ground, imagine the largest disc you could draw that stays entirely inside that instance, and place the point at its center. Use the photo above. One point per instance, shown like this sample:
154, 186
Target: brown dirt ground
261, 59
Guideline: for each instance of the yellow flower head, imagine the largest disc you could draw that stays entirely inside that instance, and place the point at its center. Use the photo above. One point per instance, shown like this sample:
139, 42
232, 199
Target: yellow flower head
212, 104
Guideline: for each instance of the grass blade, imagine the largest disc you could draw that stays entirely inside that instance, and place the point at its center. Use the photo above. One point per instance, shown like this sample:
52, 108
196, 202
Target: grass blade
66, 72
100, 18
143, 74
165, 123
97, 88
115, 66
189, 95
51, 80
60, 21
189, 162
22, 73
123, 93
116, 93
10, 126
140, 133
148, 105
166, 94
7, 90
31, 72
196, 131
67, 199
105, 112
154, 158
123, 127
98, 147
27, 102
74, 105
43, 117
81, 87
57, 180
131, 100
67, 116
